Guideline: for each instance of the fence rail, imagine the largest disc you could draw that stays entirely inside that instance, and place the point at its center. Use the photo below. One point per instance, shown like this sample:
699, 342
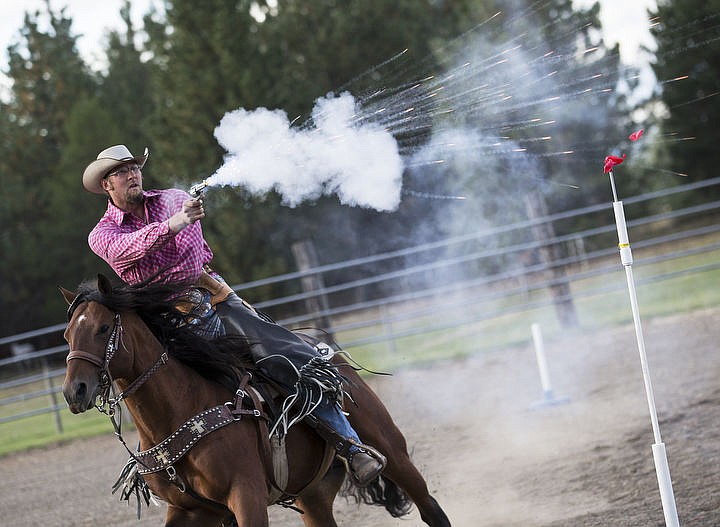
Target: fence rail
501, 280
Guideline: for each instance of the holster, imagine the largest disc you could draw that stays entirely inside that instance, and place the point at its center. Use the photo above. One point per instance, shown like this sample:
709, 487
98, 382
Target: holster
219, 290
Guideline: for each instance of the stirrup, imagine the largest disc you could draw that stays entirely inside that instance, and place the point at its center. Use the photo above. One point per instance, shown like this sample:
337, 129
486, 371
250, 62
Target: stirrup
373, 455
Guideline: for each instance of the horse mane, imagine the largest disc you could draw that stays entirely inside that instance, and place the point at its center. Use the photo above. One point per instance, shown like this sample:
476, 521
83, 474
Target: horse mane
219, 360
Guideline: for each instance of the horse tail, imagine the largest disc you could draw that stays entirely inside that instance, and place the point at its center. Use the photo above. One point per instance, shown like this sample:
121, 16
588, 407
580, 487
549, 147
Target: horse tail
381, 491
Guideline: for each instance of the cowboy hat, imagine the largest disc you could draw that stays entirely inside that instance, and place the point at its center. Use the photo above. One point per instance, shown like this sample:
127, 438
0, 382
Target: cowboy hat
107, 160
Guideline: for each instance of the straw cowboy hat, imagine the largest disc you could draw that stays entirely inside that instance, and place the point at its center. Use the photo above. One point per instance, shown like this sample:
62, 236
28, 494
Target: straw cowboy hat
107, 160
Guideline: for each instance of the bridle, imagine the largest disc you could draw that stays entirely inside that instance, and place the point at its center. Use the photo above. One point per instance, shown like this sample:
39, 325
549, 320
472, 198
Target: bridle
104, 402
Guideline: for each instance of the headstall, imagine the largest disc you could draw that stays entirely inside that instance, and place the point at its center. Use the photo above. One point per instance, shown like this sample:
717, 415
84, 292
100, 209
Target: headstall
104, 402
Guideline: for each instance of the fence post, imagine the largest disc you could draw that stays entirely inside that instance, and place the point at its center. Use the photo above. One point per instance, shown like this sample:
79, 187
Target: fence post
306, 258
53, 397
389, 329
564, 307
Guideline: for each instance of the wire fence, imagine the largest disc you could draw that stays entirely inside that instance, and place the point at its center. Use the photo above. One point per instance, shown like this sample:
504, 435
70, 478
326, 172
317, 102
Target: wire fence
439, 290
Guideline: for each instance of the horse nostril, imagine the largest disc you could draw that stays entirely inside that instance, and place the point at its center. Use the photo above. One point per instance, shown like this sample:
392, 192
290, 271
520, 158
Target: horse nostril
81, 391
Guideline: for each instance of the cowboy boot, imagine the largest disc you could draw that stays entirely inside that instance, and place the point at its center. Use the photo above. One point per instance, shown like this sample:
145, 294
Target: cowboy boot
365, 463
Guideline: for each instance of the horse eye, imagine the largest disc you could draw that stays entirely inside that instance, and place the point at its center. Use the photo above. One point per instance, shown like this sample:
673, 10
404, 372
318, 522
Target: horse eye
104, 328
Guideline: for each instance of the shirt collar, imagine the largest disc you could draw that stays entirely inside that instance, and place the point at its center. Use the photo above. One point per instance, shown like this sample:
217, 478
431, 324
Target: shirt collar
118, 215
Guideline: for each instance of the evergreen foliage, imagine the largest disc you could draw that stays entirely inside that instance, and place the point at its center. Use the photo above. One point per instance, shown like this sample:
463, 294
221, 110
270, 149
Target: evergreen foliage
687, 66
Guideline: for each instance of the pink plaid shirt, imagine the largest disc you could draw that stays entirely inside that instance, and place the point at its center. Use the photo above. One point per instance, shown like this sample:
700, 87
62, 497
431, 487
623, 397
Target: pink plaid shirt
138, 251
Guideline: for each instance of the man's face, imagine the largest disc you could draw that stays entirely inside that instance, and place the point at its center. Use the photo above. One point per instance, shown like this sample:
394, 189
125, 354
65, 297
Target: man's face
124, 184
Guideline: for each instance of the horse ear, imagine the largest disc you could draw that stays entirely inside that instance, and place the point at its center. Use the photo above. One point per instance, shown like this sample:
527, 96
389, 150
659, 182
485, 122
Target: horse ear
104, 285
69, 296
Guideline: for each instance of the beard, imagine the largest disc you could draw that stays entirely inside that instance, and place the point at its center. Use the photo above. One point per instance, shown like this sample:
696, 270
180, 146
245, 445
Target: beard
134, 195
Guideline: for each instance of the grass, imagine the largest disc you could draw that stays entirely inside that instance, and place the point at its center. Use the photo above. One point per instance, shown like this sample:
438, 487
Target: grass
45, 428
41, 430
682, 293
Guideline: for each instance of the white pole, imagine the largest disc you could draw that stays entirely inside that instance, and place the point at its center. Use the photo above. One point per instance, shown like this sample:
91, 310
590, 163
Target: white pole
541, 360
549, 398
659, 455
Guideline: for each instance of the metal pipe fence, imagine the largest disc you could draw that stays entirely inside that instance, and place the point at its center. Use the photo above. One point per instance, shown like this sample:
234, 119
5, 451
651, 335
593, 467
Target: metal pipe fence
466, 286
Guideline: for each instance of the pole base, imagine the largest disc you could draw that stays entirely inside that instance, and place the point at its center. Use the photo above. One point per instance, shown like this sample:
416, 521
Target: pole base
550, 400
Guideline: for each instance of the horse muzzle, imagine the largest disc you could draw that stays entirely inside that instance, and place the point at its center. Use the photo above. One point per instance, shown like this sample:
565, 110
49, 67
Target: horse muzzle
82, 382
79, 396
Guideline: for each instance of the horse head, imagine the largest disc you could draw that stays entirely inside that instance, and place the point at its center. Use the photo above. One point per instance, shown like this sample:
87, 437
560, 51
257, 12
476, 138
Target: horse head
94, 334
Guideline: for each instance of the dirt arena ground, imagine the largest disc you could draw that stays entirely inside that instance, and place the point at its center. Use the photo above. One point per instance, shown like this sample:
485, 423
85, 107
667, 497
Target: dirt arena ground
490, 457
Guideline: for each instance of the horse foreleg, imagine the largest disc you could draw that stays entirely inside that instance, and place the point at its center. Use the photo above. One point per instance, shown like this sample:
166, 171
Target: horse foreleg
249, 505
317, 501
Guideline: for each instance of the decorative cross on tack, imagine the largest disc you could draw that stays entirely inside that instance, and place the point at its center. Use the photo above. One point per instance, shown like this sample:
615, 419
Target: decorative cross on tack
198, 427
163, 456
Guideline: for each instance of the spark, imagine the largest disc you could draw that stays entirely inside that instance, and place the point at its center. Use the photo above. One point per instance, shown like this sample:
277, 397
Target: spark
666, 171
426, 163
590, 50
510, 49
568, 185
697, 99
676, 79
555, 154
428, 195
678, 139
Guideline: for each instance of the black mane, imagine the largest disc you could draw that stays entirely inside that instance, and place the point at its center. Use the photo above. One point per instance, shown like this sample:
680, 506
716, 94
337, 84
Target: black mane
219, 360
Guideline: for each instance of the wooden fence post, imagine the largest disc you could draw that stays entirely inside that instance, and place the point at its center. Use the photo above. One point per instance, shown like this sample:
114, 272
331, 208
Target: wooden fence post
53, 397
306, 258
543, 232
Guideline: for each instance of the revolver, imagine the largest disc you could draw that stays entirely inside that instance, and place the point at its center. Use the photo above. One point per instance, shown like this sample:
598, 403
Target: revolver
196, 191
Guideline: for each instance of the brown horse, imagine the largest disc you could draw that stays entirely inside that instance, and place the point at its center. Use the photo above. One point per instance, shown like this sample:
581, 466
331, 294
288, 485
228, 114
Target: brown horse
114, 337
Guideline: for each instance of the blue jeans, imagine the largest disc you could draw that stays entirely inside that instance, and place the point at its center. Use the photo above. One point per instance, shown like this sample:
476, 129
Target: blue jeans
330, 413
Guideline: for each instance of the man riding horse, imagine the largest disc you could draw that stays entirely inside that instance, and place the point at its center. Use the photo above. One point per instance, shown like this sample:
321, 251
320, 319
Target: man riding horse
155, 236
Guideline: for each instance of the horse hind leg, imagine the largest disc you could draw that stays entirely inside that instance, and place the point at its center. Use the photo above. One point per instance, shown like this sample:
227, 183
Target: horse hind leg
399, 482
317, 500
376, 427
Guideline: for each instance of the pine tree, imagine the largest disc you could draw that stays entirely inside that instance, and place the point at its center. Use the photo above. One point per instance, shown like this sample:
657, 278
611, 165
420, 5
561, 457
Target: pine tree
48, 77
687, 66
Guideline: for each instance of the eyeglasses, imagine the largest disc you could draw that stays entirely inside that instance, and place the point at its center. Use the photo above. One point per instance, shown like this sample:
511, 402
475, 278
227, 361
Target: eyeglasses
125, 170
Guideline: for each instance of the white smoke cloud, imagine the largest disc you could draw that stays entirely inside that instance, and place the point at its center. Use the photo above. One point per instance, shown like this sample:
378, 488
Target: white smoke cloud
359, 163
